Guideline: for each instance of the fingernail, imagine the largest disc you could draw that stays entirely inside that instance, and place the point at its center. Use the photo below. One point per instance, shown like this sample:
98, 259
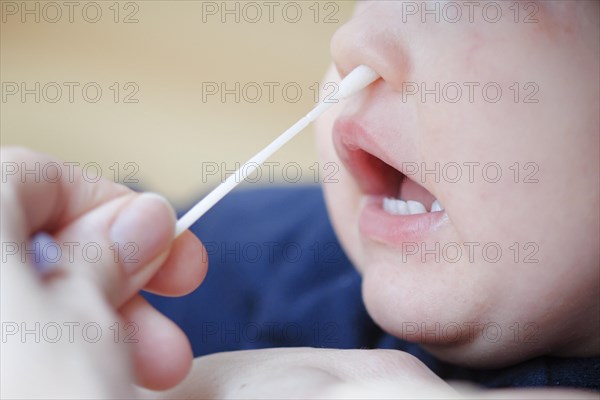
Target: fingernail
142, 230
47, 253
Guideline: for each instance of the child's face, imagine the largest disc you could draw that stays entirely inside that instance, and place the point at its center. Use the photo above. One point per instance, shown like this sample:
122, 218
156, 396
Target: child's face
510, 270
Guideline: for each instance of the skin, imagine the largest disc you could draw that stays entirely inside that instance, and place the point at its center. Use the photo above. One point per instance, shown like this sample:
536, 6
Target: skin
559, 213
98, 291
556, 299
559, 294
306, 373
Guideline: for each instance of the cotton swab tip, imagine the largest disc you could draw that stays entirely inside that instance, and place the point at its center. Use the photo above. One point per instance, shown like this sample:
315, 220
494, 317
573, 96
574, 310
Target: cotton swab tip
359, 78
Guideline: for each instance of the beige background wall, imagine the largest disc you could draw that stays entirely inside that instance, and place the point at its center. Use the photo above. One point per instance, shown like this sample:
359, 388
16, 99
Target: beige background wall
173, 50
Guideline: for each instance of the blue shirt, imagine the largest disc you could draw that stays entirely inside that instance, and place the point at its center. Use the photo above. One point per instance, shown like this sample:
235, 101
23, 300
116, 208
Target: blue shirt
278, 277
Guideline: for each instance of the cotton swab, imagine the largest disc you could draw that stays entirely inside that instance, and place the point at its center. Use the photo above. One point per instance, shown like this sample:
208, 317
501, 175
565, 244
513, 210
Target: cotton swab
358, 79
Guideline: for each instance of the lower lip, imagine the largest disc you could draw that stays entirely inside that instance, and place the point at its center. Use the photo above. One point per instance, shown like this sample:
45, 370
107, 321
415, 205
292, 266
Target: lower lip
377, 224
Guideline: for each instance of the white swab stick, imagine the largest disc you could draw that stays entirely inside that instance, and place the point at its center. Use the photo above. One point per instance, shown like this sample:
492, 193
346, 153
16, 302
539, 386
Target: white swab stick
358, 79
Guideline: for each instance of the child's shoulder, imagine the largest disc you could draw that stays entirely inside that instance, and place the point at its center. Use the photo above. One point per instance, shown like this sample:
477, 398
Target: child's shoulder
265, 212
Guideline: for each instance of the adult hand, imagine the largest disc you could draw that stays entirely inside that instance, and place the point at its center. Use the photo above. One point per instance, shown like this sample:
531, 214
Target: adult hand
309, 373
84, 330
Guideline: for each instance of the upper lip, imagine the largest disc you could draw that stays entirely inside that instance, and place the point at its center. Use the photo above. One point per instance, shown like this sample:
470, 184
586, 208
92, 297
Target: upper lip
351, 140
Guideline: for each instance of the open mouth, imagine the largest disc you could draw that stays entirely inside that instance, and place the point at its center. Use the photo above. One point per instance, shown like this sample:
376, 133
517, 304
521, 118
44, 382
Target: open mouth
397, 206
399, 193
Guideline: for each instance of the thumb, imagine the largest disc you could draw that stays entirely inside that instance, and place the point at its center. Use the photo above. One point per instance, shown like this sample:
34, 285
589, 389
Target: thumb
121, 244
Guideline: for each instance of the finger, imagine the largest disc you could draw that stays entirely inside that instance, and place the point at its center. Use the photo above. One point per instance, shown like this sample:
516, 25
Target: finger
80, 213
162, 354
184, 269
96, 214
119, 244
47, 203
29, 203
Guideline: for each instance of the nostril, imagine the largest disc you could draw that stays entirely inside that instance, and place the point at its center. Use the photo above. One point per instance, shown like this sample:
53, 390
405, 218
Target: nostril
381, 46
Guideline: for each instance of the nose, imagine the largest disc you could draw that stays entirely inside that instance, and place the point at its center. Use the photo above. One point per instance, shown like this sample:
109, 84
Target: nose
375, 37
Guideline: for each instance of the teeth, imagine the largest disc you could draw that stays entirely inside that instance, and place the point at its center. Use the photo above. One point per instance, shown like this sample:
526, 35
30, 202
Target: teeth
409, 207
395, 206
436, 206
414, 207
